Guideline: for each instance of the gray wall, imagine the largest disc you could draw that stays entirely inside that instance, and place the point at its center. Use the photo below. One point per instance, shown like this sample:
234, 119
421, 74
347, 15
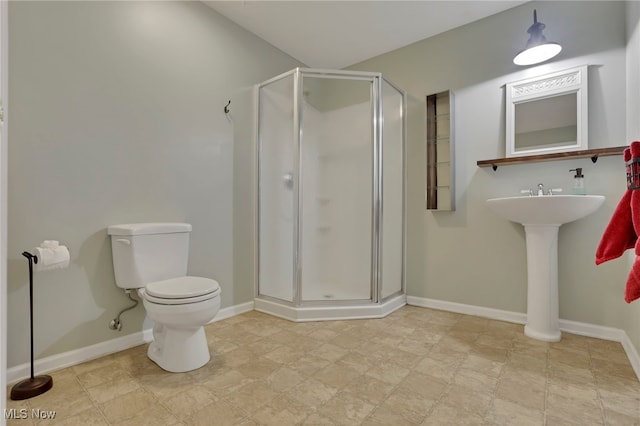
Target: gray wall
472, 256
116, 116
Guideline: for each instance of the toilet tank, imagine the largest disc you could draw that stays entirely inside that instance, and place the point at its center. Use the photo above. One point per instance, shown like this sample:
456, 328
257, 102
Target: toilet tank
147, 252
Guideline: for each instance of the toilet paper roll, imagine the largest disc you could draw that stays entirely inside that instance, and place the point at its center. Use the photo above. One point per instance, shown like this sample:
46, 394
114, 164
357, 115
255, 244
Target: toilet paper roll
51, 255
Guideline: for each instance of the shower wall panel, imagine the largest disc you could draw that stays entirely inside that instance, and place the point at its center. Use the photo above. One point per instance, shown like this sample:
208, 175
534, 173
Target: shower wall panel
337, 181
276, 178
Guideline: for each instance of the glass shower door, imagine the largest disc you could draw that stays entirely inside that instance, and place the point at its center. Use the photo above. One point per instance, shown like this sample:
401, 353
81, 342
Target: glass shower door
276, 186
336, 155
392, 191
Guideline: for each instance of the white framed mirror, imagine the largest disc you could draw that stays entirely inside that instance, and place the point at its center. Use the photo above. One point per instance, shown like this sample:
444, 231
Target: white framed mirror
547, 114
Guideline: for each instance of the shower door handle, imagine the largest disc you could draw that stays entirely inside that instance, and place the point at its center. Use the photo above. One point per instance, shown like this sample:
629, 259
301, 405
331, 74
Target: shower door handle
287, 178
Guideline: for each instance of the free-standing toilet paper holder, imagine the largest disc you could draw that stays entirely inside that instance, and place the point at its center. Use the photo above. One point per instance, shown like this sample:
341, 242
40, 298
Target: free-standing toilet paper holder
34, 385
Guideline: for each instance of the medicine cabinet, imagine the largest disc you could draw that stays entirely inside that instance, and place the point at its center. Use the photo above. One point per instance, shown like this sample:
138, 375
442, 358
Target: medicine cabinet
440, 153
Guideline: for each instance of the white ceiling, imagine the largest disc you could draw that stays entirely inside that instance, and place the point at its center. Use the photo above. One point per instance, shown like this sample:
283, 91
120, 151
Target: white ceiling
336, 34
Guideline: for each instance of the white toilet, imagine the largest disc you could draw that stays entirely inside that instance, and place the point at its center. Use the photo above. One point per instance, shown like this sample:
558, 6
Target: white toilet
152, 258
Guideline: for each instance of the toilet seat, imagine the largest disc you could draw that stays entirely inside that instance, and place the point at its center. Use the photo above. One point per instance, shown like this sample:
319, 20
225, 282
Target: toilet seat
180, 291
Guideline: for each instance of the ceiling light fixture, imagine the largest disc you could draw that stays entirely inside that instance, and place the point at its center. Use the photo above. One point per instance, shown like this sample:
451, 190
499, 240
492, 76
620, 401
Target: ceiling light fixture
538, 48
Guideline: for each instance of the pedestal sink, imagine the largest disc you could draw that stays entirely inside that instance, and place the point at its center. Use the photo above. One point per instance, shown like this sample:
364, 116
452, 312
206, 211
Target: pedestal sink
542, 217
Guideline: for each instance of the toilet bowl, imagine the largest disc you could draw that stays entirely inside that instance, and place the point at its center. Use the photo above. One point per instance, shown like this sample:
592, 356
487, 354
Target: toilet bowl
179, 317
152, 259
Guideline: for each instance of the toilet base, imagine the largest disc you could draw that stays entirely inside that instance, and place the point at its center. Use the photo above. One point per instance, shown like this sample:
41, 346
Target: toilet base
179, 349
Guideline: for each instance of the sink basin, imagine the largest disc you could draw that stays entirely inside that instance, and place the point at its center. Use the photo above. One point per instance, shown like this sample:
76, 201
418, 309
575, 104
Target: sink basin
545, 210
542, 218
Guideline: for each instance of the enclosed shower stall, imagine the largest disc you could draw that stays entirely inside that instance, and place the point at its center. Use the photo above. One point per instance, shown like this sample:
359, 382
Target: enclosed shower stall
330, 222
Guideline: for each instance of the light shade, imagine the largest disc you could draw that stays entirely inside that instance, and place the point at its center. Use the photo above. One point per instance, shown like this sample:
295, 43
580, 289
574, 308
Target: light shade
538, 48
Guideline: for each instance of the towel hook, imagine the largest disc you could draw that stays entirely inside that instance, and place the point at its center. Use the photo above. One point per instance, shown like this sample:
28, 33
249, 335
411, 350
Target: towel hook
226, 108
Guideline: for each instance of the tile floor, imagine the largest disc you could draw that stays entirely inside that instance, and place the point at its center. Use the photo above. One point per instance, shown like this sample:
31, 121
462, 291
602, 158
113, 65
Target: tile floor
417, 366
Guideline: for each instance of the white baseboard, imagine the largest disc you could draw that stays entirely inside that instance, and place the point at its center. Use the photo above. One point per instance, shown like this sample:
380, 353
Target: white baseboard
87, 353
592, 330
574, 327
459, 308
232, 311
632, 354
77, 356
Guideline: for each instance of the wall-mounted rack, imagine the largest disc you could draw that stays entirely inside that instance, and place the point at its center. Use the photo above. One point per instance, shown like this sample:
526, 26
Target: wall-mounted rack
587, 153
440, 194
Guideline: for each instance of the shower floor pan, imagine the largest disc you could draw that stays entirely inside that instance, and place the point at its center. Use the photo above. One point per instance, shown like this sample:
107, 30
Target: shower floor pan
330, 310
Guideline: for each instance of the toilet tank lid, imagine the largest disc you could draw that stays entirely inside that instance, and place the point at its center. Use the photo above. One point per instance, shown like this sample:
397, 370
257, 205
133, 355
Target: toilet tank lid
148, 228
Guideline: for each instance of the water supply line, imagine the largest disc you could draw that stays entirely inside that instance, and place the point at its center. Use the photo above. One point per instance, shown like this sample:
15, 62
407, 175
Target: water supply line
115, 323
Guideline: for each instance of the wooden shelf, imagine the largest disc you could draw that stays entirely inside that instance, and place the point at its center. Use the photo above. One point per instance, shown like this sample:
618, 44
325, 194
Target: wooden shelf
587, 153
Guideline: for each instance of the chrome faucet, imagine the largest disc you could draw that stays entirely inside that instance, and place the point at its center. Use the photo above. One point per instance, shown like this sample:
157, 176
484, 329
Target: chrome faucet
531, 192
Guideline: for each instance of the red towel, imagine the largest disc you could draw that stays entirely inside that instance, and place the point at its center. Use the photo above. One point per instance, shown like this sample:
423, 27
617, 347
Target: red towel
619, 235
622, 232
632, 292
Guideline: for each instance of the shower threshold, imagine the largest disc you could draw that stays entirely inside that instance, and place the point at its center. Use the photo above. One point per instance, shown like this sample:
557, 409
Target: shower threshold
327, 312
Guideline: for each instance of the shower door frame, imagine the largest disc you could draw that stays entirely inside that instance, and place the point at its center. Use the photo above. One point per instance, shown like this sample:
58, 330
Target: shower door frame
377, 123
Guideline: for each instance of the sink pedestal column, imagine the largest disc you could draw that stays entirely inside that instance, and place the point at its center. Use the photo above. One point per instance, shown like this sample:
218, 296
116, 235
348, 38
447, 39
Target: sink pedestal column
542, 287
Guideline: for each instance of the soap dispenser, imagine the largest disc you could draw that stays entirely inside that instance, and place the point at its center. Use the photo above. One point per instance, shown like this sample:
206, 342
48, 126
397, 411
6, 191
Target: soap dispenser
578, 182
